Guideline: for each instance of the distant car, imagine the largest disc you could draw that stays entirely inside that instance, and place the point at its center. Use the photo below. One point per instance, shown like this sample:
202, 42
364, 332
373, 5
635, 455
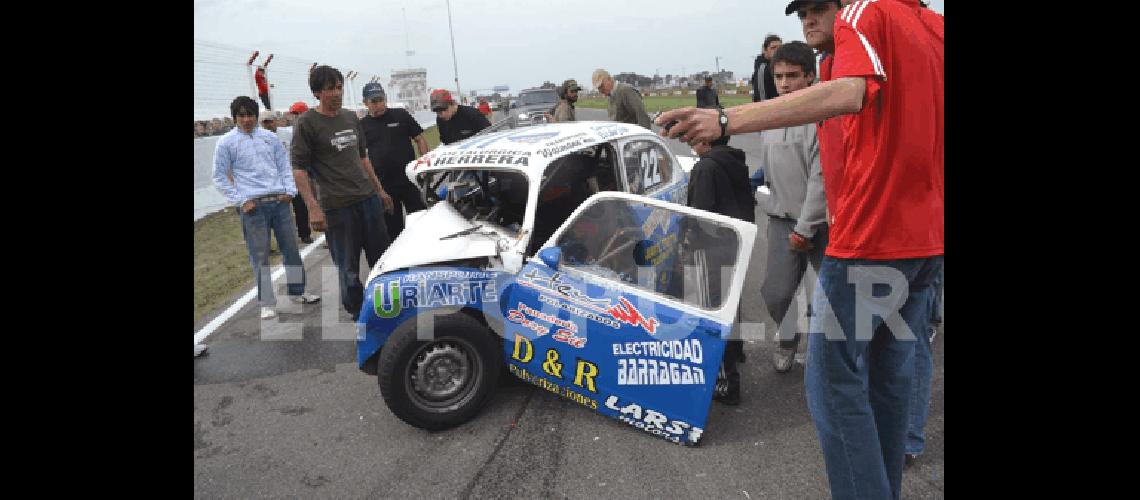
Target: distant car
534, 106
562, 254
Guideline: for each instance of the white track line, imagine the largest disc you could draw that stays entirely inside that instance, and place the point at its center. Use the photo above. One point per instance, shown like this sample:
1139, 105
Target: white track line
201, 335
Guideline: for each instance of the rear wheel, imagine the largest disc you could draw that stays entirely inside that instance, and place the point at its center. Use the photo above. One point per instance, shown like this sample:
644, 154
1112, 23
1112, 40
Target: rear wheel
440, 383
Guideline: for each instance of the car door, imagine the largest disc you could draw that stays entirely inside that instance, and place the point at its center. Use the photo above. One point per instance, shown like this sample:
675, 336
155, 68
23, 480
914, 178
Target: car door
588, 318
651, 169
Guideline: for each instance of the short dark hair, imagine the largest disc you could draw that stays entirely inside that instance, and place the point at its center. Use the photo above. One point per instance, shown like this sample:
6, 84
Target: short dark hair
322, 76
769, 39
796, 53
243, 104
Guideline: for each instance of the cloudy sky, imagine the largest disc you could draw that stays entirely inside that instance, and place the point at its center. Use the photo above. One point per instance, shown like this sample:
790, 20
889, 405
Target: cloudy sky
519, 43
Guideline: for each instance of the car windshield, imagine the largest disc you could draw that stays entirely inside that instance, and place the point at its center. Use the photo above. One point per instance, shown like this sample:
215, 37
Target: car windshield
538, 97
497, 197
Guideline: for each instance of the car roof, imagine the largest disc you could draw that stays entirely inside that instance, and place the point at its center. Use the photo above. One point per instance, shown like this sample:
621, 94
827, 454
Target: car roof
528, 150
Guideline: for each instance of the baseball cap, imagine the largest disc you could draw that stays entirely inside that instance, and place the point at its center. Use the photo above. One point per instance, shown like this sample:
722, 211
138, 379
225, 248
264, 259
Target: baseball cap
598, 77
440, 99
373, 90
266, 115
795, 5
298, 107
571, 84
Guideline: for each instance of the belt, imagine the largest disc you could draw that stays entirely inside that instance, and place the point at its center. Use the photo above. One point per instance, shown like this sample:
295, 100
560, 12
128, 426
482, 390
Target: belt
268, 197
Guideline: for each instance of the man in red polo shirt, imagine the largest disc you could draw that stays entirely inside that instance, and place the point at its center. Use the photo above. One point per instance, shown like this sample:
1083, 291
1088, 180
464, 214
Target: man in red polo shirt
885, 196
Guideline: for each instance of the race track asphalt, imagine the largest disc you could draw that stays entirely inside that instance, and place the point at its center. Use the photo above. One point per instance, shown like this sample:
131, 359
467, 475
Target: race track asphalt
280, 410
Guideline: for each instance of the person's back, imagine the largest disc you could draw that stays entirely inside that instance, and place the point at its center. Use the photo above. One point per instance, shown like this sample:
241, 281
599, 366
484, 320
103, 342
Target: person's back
719, 183
625, 105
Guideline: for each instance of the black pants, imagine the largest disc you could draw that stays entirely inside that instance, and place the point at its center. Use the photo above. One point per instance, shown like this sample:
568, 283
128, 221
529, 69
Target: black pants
265, 100
403, 195
301, 213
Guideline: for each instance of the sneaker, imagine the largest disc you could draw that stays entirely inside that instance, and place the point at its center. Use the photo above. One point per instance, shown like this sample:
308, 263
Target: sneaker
727, 388
306, 239
199, 350
783, 359
933, 333
305, 298
911, 458
268, 313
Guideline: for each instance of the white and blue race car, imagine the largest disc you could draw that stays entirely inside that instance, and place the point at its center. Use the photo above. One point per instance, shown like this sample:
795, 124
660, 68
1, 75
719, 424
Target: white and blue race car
562, 254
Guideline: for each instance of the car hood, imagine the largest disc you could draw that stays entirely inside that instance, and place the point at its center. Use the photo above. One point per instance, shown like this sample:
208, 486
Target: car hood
419, 243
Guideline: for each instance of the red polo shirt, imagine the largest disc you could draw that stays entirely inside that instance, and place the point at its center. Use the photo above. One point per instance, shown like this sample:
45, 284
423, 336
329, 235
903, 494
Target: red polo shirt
886, 196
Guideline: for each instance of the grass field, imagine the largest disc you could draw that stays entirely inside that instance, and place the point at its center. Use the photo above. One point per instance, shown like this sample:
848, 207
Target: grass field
221, 262
654, 104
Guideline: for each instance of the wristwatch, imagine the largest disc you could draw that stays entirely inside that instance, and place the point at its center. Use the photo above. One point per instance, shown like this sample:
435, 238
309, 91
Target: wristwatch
723, 122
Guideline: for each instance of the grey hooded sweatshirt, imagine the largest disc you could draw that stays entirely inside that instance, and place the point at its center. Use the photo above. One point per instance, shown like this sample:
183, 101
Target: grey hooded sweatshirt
790, 159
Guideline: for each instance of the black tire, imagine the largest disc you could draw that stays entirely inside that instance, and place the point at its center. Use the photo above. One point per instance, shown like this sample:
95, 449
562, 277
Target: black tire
467, 355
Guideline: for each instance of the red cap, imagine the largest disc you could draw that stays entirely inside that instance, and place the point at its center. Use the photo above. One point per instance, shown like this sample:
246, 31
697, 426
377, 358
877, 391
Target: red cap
440, 98
298, 108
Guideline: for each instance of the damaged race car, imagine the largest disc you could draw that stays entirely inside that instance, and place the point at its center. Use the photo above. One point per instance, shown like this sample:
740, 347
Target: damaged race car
562, 254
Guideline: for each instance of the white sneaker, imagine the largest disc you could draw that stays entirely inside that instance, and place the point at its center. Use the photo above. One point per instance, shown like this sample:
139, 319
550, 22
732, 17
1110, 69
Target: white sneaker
305, 298
268, 313
199, 350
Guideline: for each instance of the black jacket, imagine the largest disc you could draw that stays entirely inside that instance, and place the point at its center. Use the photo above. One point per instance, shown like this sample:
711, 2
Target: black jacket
707, 98
466, 122
766, 88
719, 184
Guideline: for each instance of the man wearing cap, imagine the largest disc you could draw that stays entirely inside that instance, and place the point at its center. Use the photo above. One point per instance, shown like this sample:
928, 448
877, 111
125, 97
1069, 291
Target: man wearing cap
706, 96
625, 101
886, 239
327, 140
251, 168
564, 110
388, 134
456, 122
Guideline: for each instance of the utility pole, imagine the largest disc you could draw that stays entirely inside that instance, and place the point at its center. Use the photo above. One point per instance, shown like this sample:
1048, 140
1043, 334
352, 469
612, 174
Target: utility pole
455, 64
718, 65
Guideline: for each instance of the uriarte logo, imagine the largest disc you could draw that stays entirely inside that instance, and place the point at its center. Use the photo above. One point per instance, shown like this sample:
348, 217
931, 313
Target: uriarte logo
392, 297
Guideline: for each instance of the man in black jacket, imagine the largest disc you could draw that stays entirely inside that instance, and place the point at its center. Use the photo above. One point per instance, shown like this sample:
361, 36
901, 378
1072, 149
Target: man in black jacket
706, 96
763, 86
455, 122
719, 183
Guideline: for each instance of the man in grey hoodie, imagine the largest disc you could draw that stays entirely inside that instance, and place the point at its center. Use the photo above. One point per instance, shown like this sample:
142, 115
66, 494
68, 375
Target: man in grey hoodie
796, 208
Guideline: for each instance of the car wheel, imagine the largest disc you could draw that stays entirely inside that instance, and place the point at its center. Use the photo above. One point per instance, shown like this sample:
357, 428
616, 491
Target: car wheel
440, 383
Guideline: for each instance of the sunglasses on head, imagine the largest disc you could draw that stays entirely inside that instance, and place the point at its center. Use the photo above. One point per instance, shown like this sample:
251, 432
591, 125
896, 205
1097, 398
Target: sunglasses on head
815, 9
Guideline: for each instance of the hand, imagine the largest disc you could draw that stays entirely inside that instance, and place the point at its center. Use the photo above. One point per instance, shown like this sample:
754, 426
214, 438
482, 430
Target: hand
388, 204
316, 219
799, 243
693, 125
248, 207
285, 198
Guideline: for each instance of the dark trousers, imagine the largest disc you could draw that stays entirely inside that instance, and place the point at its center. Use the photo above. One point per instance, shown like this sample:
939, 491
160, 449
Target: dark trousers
357, 227
265, 100
403, 196
301, 214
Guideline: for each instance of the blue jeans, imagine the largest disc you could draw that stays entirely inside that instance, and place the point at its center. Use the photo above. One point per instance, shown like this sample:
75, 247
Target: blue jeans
350, 229
860, 409
278, 217
923, 373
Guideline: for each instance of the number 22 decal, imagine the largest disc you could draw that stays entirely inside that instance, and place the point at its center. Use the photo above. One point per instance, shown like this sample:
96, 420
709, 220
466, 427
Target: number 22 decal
650, 167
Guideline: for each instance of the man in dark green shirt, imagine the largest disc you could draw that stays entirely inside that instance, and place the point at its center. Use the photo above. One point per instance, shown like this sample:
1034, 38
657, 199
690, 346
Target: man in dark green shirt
328, 141
625, 101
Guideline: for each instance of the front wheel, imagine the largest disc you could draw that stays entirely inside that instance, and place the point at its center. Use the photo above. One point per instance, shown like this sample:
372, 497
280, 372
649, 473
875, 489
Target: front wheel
440, 383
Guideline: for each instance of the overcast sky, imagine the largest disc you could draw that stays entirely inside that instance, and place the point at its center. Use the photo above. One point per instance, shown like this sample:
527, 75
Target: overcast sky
519, 43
